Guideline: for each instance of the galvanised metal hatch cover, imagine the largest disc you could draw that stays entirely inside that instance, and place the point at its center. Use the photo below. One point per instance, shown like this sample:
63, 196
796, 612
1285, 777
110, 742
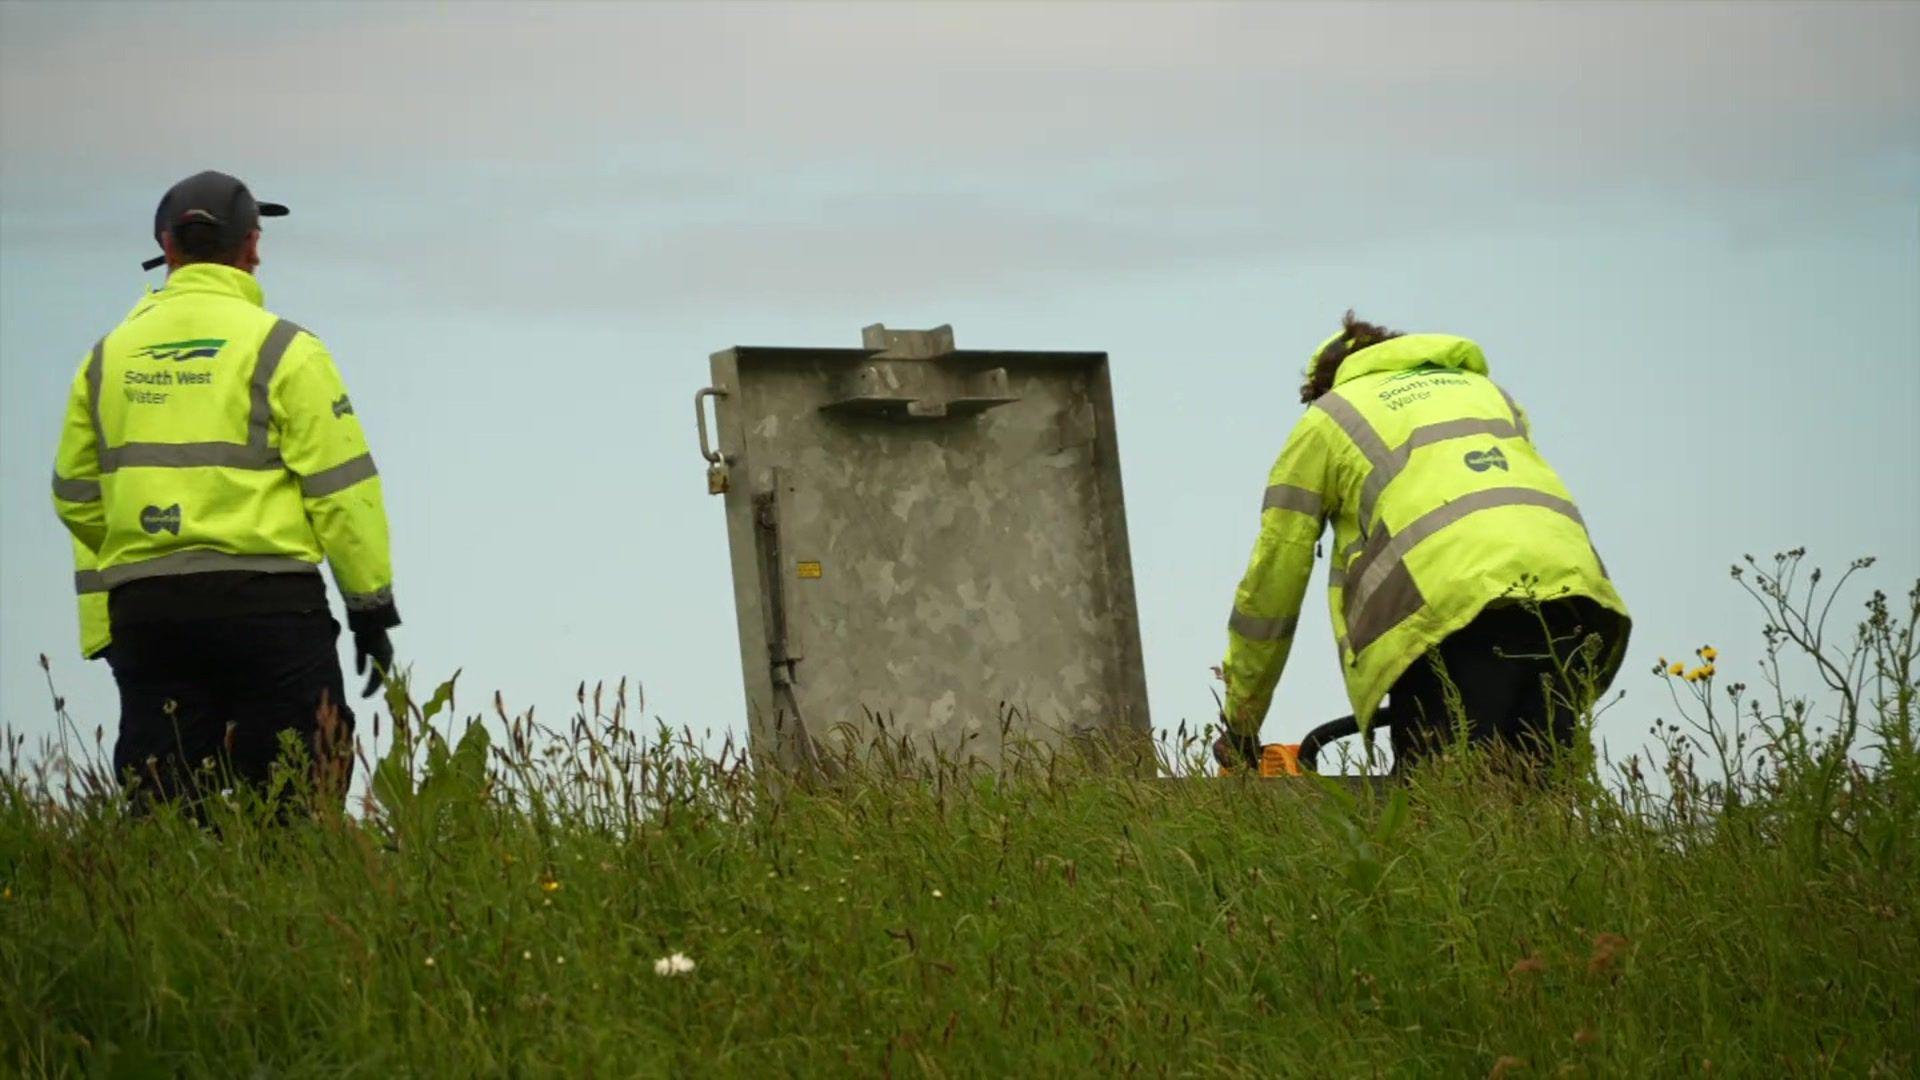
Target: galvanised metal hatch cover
929, 544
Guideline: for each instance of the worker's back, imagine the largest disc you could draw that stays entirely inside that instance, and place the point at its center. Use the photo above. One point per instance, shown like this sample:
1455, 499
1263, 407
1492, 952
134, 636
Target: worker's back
1442, 503
1443, 478
189, 454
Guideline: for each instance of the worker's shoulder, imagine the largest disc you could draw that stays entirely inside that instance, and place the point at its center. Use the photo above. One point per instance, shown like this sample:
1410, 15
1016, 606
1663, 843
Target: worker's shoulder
297, 327
1314, 427
228, 317
300, 339
268, 333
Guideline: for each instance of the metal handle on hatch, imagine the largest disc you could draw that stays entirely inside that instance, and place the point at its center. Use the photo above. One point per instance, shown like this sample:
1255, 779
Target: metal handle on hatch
700, 417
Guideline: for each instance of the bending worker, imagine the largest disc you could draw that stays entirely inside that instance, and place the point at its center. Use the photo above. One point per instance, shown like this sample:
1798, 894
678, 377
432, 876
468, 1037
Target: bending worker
1446, 519
209, 460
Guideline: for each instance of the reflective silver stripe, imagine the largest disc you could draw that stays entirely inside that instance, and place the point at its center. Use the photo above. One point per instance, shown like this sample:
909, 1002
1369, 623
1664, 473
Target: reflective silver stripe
378, 598
1254, 628
1290, 497
272, 348
196, 561
1379, 458
255, 453
1387, 464
1519, 418
1371, 570
1344, 414
1427, 435
1397, 599
96, 374
76, 491
190, 455
339, 478
88, 581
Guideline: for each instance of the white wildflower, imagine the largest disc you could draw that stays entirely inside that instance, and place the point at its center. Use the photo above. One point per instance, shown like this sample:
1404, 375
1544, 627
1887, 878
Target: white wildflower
677, 964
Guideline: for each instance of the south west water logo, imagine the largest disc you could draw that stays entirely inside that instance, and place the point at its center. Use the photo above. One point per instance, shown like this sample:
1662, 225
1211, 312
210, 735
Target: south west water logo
153, 519
1482, 460
197, 349
1420, 372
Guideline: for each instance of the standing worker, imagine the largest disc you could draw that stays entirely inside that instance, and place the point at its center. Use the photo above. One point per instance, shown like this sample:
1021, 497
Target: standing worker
1446, 520
209, 460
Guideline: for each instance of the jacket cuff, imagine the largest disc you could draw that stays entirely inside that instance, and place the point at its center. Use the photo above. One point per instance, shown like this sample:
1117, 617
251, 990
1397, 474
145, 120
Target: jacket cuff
381, 616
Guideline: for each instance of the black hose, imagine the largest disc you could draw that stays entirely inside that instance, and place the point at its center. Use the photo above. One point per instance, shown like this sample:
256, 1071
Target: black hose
1317, 740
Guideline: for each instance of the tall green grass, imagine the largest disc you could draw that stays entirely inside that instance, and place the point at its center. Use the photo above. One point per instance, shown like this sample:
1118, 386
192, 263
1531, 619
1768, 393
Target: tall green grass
506, 909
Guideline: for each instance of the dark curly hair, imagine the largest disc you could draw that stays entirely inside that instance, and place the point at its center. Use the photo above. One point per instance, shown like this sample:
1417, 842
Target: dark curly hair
1354, 336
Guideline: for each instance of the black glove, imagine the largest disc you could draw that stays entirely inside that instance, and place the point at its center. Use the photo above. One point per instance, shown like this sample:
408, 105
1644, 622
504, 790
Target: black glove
372, 643
1236, 751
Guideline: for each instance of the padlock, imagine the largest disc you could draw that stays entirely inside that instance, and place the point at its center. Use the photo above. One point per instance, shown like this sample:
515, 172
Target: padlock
717, 478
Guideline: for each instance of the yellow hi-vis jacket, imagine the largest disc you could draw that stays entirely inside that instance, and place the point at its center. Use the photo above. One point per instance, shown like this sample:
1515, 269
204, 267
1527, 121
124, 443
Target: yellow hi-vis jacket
204, 434
95, 634
1440, 506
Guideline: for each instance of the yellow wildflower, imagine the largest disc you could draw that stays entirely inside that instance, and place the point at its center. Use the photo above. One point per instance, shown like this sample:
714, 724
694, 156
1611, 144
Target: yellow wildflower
1707, 672
549, 884
1709, 654
1678, 668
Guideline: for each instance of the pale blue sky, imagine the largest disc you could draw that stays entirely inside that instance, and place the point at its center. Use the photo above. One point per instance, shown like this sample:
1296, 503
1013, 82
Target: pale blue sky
1688, 237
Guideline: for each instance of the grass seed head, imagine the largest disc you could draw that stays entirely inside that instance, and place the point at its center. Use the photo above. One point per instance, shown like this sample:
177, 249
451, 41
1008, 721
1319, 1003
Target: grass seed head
1530, 964
1607, 949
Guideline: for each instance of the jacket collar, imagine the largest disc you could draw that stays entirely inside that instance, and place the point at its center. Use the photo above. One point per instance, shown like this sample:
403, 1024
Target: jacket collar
212, 278
1412, 351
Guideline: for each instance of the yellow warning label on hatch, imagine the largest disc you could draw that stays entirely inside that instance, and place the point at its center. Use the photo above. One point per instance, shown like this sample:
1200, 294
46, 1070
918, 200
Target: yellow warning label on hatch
809, 569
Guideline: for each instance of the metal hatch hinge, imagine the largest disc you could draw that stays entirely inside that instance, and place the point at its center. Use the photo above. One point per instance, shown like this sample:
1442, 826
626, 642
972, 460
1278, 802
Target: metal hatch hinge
910, 375
766, 523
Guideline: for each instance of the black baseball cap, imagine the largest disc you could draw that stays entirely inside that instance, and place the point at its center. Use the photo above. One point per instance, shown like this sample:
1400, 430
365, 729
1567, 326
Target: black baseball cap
214, 198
